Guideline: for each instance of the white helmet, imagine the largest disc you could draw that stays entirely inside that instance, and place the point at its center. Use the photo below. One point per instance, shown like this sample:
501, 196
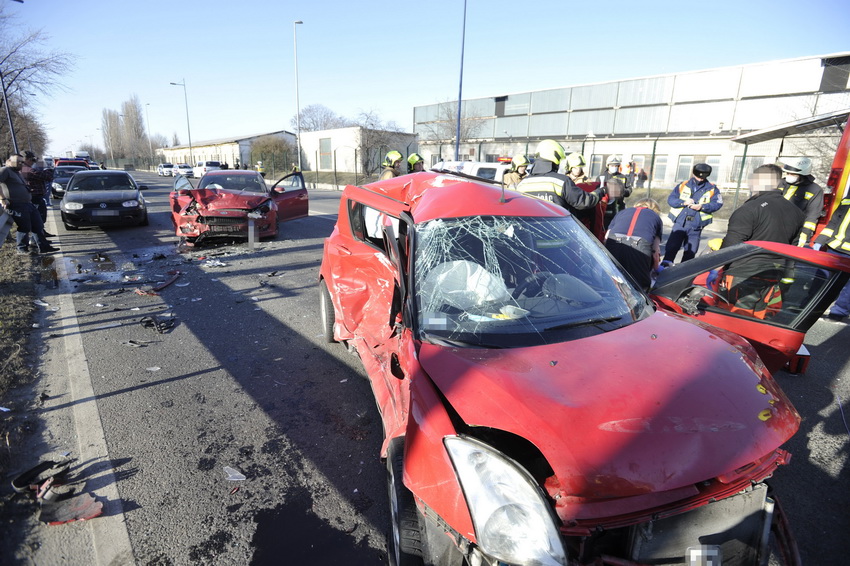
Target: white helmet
797, 166
614, 160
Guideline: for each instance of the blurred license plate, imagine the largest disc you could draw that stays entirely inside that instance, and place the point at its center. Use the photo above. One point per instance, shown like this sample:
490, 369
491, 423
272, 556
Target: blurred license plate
104, 213
235, 228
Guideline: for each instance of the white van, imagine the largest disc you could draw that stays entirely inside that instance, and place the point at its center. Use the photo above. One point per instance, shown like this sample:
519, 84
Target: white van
202, 167
481, 169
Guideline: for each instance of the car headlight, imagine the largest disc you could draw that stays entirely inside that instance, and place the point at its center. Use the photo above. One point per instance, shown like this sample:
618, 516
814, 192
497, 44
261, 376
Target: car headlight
513, 522
57, 187
130, 203
73, 206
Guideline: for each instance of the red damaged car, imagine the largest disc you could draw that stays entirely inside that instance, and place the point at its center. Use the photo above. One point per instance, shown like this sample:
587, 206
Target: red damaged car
538, 408
226, 201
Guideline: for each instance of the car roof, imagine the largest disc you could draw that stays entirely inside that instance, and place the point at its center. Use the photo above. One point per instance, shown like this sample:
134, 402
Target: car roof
101, 172
219, 172
429, 195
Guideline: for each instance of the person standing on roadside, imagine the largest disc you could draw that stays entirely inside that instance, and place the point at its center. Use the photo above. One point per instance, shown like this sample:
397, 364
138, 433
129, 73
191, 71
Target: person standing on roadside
16, 198
800, 188
692, 204
619, 190
34, 180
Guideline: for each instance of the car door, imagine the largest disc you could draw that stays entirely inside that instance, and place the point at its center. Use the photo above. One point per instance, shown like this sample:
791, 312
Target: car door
768, 293
290, 194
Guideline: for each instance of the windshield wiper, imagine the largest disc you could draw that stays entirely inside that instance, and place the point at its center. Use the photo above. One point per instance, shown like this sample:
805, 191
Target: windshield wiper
456, 343
590, 322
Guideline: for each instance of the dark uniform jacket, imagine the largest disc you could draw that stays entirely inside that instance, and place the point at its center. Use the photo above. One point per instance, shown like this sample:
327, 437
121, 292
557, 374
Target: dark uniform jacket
618, 204
765, 216
544, 182
835, 235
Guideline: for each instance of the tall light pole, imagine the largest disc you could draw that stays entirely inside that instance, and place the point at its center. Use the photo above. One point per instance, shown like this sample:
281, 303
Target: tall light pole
188, 129
460, 86
148, 126
297, 101
9, 114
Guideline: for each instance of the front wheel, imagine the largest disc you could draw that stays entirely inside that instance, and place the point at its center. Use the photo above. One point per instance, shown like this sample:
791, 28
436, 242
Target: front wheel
326, 309
404, 545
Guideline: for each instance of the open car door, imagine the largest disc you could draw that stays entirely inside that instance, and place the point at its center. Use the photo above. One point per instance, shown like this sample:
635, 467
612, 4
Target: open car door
290, 194
768, 293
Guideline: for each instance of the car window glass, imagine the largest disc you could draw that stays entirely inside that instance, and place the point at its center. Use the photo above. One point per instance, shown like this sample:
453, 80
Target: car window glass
367, 222
486, 173
516, 281
765, 286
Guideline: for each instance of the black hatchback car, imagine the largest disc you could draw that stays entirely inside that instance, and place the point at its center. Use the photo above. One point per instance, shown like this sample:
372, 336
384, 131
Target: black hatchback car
103, 198
61, 176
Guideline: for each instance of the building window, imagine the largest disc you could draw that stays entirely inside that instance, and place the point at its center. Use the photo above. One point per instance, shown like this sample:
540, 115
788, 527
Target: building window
686, 165
491, 158
659, 170
752, 162
595, 166
325, 154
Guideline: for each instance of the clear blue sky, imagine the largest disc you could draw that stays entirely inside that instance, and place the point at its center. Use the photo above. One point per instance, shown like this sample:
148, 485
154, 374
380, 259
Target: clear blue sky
237, 57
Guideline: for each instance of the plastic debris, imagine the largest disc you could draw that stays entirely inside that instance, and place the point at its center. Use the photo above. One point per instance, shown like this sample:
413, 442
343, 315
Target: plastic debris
182, 284
41, 303
5, 409
160, 324
79, 508
234, 490
232, 474
153, 368
167, 282
214, 263
134, 344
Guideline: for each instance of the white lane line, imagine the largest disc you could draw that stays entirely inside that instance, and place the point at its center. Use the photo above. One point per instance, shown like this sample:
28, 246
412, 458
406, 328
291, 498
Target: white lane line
109, 534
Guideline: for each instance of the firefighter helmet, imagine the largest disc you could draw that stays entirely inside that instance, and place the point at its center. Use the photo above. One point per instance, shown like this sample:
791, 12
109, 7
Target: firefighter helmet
519, 161
797, 166
576, 159
391, 158
614, 160
702, 170
413, 160
550, 150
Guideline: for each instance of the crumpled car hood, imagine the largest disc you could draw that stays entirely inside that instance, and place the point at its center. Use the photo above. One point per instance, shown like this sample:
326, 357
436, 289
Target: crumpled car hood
220, 199
657, 405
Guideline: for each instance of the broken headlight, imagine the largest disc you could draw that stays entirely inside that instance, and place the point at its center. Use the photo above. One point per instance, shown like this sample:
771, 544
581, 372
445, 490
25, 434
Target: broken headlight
513, 522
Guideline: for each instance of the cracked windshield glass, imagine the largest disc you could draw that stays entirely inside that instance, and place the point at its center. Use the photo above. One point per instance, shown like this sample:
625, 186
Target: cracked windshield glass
505, 281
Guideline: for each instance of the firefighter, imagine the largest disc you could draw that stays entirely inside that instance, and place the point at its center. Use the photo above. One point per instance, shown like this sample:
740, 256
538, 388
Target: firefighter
692, 204
391, 164
634, 239
518, 172
799, 187
622, 187
415, 163
835, 238
544, 181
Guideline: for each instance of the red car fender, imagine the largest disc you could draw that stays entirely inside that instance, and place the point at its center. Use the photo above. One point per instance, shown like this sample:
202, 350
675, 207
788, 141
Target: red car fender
428, 470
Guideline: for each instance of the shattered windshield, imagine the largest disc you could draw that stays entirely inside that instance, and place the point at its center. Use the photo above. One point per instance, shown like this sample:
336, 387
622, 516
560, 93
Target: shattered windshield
492, 281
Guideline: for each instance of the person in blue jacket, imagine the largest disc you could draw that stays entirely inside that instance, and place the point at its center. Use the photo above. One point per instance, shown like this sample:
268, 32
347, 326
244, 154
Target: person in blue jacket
692, 204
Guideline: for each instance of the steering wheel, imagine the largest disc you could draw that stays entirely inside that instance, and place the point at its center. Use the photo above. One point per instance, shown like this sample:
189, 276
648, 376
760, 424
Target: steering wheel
527, 284
707, 291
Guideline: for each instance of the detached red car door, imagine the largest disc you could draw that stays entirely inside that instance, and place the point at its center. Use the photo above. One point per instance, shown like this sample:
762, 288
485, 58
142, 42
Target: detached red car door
290, 194
768, 293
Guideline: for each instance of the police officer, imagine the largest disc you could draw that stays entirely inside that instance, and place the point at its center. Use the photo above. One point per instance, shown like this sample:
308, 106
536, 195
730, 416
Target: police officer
518, 172
799, 187
415, 163
692, 204
391, 164
835, 238
616, 199
544, 181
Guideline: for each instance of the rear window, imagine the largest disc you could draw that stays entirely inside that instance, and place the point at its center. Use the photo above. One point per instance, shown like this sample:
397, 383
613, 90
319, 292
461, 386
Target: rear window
486, 173
213, 164
167, 165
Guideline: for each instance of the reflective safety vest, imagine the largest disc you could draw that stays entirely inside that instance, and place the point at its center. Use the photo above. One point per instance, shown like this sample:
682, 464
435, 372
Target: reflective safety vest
808, 226
543, 187
837, 239
684, 194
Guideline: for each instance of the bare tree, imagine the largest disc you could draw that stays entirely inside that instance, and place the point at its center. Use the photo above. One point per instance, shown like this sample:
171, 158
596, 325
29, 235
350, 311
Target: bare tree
175, 140
444, 125
319, 117
376, 139
26, 70
134, 136
110, 126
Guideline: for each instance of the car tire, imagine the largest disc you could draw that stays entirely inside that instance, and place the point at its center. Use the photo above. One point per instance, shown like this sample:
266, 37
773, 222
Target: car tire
67, 225
145, 221
326, 310
404, 542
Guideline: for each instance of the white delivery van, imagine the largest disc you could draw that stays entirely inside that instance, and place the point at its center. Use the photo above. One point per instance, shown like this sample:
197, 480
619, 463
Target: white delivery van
481, 169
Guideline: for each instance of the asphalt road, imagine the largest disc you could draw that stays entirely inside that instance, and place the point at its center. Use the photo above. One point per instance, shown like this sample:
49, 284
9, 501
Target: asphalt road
244, 381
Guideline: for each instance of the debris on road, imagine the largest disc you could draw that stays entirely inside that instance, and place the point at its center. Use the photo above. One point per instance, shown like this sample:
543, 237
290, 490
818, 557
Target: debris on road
160, 324
232, 474
79, 508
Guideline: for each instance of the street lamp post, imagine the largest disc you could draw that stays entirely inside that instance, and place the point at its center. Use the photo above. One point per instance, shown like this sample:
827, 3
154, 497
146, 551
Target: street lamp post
148, 126
297, 101
188, 129
460, 85
8, 113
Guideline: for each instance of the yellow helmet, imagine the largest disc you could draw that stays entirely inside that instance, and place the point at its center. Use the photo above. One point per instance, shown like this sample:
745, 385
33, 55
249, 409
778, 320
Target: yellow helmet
576, 159
550, 150
412, 161
519, 161
391, 158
